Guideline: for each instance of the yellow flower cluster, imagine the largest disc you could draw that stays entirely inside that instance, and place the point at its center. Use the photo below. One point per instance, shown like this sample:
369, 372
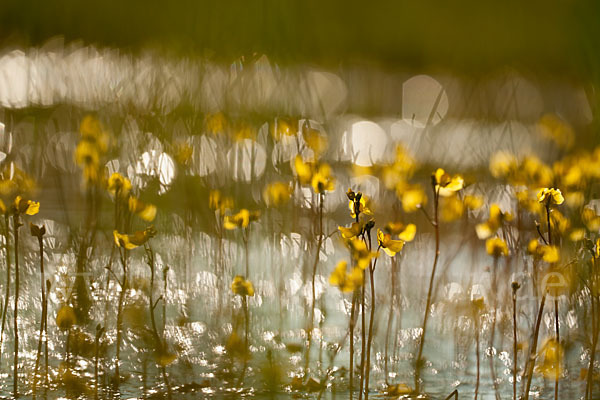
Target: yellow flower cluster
494, 222
318, 175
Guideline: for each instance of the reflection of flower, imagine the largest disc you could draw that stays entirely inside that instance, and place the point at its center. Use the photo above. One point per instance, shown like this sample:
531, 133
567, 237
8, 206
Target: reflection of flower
241, 286
134, 240
346, 282
240, 220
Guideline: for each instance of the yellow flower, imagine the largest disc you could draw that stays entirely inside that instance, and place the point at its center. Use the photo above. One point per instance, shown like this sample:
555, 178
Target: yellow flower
503, 164
412, 197
87, 154
533, 247
277, 193
65, 318
452, 208
117, 183
304, 170
473, 202
29, 207
284, 127
360, 252
348, 233
445, 184
240, 220
590, 219
496, 247
134, 240
550, 196
405, 233
550, 254
493, 223
552, 355
557, 130
390, 246
215, 123
576, 235
216, 201
145, 211
241, 286
316, 141
322, 180
358, 203
346, 282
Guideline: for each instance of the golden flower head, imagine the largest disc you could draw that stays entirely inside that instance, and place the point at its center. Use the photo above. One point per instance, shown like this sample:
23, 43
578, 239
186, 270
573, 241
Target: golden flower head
118, 184
358, 204
23, 206
240, 220
550, 196
389, 245
218, 202
65, 318
241, 286
322, 180
360, 253
445, 184
277, 193
134, 240
145, 211
496, 247
346, 282
494, 222
405, 233
412, 197
314, 139
355, 229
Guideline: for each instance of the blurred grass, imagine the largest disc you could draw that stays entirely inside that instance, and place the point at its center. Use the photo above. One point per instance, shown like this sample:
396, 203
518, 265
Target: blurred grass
469, 36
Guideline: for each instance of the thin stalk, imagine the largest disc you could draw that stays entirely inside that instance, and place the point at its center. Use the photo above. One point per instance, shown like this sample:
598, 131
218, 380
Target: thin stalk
362, 337
371, 320
123, 286
515, 353
161, 346
493, 327
595, 331
16, 225
436, 226
314, 274
557, 376
351, 328
477, 355
8, 269
99, 332
43, 318
390, 318
533, 351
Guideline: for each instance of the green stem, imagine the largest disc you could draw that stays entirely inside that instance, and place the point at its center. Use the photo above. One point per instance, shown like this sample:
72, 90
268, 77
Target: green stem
16, 225
419, 360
